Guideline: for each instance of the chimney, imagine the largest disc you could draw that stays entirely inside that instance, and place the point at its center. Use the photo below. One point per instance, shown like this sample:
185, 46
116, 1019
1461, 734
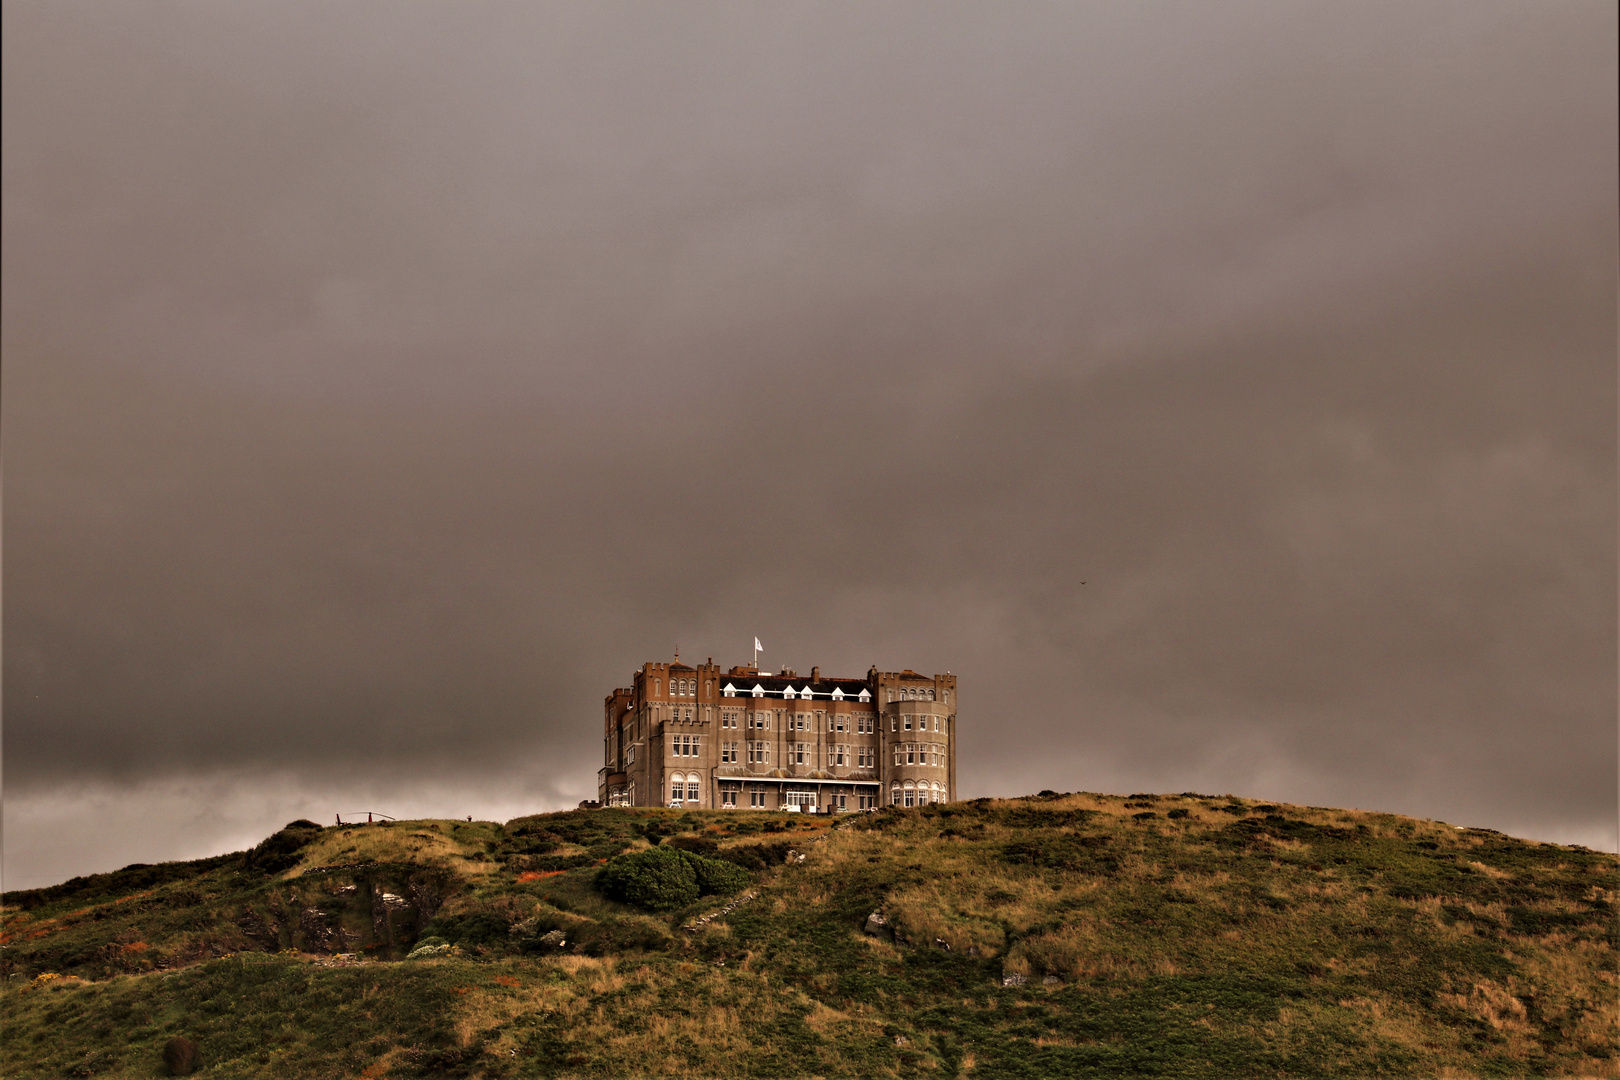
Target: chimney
815, 674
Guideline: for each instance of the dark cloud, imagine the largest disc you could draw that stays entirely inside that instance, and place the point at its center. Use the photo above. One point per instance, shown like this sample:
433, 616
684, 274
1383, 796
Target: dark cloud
383, 382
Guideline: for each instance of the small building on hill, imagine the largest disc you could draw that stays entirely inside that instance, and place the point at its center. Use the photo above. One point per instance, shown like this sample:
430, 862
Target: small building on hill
698, 737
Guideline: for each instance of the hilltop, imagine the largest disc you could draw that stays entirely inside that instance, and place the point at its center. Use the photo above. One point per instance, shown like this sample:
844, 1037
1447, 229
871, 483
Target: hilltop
1058, 935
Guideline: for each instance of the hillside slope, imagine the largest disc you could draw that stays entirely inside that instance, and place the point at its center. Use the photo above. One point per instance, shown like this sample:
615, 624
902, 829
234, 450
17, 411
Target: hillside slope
1060, 935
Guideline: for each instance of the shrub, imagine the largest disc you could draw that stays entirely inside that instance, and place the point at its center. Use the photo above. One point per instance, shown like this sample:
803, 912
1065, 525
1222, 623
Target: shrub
666, 877
716, 877
700, 845
180, 1054
468, 931
657, 879
757, 856
1179, 812
279, 851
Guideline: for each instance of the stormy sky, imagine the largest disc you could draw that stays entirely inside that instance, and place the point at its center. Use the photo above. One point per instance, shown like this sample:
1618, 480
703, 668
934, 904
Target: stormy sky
1226, 393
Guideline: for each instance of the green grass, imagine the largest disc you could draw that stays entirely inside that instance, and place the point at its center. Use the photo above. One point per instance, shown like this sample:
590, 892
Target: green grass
1228, 941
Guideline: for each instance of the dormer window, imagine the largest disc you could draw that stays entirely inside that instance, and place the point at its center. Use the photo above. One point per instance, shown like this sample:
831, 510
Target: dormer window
759, 691
787, 692
807, 693
865, 695
838, 693
730, 690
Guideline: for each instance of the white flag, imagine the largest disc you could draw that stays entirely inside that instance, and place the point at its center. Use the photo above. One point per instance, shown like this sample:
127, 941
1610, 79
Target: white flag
757, 646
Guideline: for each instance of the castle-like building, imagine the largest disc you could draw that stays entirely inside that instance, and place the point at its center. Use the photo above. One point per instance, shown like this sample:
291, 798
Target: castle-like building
702, 738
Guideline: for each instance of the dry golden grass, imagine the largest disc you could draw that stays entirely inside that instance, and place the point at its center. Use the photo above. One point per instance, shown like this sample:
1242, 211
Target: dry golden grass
429, 843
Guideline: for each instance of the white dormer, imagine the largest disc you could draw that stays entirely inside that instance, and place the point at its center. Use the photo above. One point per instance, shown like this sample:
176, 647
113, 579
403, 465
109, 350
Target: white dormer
787, 691
866, 695
729, 691
807, 693
759, 691
838, 693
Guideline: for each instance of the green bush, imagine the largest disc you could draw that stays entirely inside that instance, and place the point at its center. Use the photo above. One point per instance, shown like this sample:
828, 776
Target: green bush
717, 878
657, 879
468, 931
664, 878
698, 845
279, 851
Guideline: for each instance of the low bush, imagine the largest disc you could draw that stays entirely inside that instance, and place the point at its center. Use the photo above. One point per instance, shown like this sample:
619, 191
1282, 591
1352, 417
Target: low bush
698, 845
279, 851
657, 879
664, 878
468, 931
756, 856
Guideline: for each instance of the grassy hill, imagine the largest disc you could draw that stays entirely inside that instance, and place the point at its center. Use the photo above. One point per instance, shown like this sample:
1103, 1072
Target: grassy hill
1059, 935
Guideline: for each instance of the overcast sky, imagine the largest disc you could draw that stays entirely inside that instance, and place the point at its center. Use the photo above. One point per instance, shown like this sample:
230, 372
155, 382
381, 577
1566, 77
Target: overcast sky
1226, 393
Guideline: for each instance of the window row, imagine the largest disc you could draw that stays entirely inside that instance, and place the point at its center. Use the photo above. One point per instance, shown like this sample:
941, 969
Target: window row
909, 693
757, 799
919, 754
909, 794
860, 723
906, 722
686, 745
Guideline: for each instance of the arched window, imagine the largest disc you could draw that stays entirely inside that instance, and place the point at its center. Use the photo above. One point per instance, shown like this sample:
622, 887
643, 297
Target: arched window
677, 787
911, 794
692, 788
894, 794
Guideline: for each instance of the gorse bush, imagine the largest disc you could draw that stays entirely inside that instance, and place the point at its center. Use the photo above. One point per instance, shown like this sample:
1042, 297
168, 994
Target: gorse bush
657, 879
664, 878
716, 877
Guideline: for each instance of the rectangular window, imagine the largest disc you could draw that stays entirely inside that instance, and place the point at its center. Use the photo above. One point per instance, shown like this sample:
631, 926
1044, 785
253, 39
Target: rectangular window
911, 753
757, 799
691, 792
907, 724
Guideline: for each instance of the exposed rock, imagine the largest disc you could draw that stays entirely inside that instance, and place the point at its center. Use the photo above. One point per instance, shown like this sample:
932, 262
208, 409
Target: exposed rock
879, 927
1013, 978
1051, 980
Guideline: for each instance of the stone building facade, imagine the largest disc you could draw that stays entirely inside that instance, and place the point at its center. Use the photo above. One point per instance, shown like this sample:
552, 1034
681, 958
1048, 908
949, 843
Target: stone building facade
699, 737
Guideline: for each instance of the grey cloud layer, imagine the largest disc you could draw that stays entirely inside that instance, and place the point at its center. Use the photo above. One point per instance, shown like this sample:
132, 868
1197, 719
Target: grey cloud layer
382, 383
